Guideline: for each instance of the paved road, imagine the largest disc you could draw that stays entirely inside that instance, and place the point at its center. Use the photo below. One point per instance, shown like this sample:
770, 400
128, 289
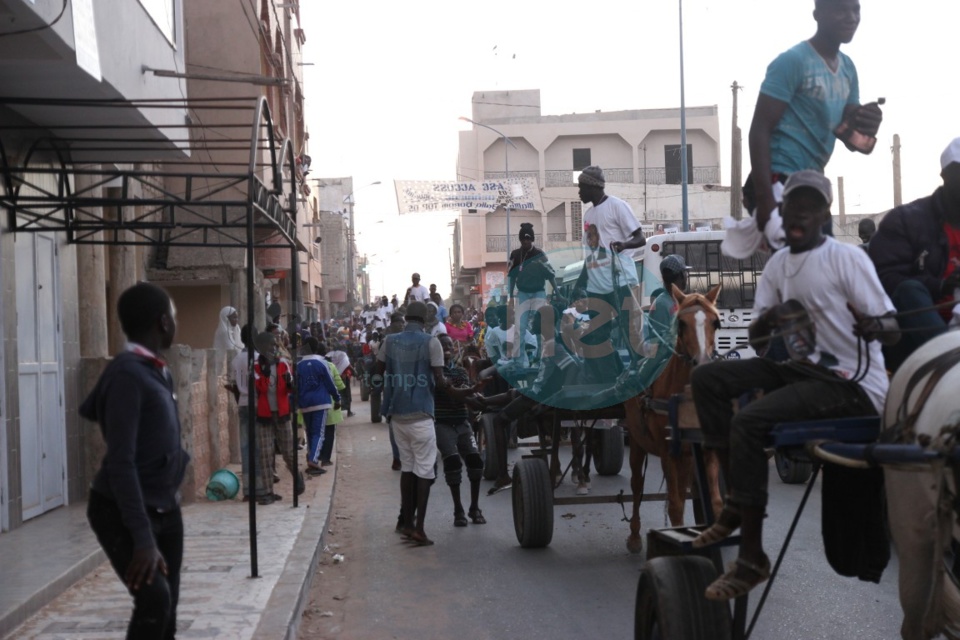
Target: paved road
477, 583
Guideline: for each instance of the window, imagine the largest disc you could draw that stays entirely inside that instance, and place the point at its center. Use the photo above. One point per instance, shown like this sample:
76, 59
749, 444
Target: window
671, 162
576, 220
581, 159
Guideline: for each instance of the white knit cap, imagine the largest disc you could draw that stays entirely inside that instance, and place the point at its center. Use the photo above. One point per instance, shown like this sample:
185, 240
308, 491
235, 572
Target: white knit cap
951, 154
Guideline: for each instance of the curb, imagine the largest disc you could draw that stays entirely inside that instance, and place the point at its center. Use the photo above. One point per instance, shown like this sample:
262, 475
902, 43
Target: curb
284, 610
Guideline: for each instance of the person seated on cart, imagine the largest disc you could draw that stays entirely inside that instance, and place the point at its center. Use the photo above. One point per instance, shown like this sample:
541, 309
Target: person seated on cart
557, 368
826, 300
455, 439
916, 251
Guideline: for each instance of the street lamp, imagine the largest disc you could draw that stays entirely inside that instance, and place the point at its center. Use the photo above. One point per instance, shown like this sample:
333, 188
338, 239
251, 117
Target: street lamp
351, 269
506, 171
683, 134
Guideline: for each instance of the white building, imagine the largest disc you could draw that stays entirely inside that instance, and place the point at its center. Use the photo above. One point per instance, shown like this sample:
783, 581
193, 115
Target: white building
639, 151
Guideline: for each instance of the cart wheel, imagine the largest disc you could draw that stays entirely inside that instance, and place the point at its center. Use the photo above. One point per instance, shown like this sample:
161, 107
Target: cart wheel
670, 602
532, 503
375, 398
364, 391
792, 471
608, 450
488, 447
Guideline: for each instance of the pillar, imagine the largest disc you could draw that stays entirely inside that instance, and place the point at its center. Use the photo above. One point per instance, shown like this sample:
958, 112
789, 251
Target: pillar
91, 280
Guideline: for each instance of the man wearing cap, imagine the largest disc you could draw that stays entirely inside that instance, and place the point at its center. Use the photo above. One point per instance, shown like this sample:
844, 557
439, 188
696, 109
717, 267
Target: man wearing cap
820, 282
807, 92
916, 251
416, 292
610, 230
411, 365
528, 272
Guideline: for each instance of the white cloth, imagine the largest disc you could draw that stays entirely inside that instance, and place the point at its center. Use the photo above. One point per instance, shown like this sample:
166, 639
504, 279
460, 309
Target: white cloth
238, 375
824, 280
615, 222
743, 238
418, 292
438, 329
339, 359
227, 336
495, 342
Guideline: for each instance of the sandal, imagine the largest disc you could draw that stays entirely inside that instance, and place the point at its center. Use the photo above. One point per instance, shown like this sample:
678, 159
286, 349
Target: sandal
729, 586
726, 524
459, 520
476, 516
419, 539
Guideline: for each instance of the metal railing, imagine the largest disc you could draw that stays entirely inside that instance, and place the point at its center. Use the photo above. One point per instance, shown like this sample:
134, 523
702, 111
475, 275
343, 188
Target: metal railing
500, 175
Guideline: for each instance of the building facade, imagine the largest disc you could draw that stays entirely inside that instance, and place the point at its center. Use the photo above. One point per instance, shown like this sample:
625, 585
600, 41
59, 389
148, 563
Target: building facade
639, 151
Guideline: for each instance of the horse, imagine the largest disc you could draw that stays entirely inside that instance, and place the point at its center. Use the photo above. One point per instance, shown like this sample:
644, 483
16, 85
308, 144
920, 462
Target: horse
921, 409
697, 322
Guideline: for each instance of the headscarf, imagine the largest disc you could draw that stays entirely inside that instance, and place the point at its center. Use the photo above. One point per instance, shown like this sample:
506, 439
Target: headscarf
227, 336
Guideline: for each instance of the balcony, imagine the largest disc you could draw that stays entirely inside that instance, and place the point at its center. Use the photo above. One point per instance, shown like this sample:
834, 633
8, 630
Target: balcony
701, 175
498, 243
564, 177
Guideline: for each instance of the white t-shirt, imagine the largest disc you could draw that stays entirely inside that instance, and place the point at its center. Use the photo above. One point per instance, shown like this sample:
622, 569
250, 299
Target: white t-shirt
438, 329
383, 316
418, 292
824, 280
615, 222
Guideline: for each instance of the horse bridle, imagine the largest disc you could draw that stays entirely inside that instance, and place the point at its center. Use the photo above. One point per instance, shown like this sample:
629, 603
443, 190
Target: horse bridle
693, 308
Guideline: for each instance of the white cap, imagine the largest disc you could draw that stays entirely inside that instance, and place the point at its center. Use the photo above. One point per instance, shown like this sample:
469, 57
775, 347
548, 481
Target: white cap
951, 154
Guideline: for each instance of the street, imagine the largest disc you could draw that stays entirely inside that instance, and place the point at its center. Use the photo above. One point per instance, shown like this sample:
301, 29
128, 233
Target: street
478, 583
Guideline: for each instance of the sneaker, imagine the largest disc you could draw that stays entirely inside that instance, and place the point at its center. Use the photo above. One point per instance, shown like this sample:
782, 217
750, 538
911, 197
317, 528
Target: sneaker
265, 500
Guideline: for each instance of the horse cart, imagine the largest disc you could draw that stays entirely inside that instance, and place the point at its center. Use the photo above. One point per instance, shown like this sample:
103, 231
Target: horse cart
916, 444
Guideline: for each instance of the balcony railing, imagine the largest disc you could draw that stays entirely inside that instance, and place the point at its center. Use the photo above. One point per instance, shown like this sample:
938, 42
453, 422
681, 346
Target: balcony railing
498, 243
500, 175
701, 175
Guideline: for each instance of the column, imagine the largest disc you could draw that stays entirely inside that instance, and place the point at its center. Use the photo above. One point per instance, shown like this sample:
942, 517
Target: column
91, 278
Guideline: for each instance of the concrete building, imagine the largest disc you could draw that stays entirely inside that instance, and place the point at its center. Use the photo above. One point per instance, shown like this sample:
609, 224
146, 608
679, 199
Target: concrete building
54, 319
639, 151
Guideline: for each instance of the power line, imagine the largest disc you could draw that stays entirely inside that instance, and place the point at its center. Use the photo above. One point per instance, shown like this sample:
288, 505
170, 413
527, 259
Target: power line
41, 27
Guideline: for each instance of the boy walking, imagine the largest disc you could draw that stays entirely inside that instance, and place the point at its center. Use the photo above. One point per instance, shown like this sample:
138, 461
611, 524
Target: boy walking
316, 393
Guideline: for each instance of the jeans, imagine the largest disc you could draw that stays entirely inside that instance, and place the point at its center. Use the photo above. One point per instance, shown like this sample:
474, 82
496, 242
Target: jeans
911, 295
527, 305
315, 423
792, 392
154, 605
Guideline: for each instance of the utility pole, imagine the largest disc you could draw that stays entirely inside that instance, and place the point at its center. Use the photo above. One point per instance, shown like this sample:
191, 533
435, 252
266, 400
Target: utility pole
897, 189
843, 208
736, 161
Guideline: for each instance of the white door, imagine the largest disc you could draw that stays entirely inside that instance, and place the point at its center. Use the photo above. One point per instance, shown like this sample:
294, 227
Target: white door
42, 423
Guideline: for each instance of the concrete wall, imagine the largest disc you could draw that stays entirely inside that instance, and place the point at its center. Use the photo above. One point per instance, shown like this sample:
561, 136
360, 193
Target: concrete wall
607, 150
198, 312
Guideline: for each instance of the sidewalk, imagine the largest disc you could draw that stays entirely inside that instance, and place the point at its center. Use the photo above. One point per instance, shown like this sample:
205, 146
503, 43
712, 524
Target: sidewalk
57, 584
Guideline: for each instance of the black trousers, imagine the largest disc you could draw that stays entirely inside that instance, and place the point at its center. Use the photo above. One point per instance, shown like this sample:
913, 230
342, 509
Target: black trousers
346, 396
154, 605
791, 392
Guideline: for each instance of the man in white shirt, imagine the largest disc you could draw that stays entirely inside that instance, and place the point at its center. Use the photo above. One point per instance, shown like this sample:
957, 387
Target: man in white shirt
416, 292
610, 232
825, 299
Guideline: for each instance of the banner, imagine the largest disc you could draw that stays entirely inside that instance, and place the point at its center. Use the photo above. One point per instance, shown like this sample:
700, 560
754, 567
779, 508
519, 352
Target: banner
418, 196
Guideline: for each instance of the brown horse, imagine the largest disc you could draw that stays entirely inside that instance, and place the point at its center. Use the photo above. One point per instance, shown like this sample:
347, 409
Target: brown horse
697, 322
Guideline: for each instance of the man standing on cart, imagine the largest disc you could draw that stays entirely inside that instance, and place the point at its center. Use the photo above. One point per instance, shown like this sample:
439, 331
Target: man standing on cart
823, 297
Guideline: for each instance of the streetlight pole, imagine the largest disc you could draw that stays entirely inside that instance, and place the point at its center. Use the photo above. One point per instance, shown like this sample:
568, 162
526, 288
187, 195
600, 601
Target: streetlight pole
683, 134
351, 268
506, 171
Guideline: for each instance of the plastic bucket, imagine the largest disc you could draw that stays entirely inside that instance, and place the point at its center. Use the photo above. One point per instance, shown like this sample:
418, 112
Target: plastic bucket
223, 485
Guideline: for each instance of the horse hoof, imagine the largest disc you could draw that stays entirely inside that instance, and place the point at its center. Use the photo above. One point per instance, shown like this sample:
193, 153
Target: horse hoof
635, 545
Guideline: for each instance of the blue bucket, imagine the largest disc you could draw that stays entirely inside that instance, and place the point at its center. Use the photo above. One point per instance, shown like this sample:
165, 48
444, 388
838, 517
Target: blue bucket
223, 485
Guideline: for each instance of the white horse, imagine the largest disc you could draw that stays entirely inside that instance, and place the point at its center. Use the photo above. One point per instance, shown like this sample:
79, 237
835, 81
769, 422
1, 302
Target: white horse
922, 406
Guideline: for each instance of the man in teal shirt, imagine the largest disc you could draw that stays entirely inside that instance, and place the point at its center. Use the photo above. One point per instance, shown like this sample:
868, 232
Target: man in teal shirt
807, 92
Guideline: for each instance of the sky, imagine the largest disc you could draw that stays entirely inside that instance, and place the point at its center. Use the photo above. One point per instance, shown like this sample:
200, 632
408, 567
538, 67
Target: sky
390, 80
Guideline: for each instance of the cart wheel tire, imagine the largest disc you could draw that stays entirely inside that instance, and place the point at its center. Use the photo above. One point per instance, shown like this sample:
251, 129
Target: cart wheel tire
792, 471
375, 399
608, 450
532, 503
364, 392
670, 603
489, 448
